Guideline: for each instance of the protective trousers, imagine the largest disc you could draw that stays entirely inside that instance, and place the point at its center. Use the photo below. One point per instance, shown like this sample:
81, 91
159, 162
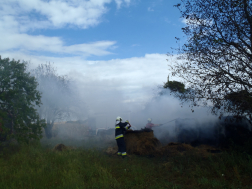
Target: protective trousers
121, 146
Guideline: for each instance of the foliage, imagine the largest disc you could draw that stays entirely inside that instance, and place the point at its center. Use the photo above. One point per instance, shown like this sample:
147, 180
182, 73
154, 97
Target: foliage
175, 86
216, 60
241, 100
18, 97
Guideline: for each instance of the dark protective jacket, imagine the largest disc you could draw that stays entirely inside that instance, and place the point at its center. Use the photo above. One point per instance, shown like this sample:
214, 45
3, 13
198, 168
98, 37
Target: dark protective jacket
120, 128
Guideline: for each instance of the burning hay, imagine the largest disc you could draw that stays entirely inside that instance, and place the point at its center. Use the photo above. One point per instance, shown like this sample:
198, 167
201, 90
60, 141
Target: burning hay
174, 149
141, 142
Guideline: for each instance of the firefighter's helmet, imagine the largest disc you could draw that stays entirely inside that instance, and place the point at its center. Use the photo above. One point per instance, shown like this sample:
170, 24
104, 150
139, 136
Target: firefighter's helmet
149, 120
118, 118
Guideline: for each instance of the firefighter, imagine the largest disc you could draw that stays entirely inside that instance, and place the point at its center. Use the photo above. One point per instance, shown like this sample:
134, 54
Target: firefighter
149, 125
120, 128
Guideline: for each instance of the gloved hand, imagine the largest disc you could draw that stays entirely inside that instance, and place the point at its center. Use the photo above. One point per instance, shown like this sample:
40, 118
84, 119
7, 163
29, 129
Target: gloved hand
128, 123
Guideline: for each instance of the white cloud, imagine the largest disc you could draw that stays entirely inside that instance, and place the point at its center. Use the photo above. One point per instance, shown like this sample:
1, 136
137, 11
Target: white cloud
120, 2
17, 17
150, 9
138, 76
57, 13
24, 42
97, 48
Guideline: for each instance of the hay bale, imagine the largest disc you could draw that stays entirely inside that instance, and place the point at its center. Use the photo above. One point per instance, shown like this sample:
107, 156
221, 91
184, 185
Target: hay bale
111, 150
59, 147
141, 142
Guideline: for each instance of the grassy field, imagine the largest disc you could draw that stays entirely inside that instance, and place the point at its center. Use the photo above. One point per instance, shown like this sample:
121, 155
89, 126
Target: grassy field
38, 166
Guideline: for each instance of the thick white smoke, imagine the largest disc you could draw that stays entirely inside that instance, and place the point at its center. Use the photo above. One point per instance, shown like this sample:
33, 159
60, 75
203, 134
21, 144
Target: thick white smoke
166, 108
104, 100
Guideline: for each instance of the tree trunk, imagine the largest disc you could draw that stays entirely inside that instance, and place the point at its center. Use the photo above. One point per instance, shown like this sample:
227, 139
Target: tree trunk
48, 129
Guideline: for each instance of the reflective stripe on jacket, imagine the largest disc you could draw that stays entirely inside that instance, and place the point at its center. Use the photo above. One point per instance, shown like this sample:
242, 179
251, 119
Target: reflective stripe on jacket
120, 128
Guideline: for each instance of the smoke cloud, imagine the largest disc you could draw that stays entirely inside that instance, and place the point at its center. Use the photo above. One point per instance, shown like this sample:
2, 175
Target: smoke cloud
104, 100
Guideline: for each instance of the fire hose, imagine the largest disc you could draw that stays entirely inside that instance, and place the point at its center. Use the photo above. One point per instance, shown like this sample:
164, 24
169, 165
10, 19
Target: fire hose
168, 122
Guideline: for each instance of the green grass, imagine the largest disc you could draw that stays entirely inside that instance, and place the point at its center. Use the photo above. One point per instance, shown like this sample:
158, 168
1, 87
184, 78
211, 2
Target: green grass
37, 166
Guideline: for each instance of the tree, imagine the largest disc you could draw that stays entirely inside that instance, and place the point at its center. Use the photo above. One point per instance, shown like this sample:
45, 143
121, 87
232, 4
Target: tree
18, 98
216, 60
241, 100
175, 86
59, 100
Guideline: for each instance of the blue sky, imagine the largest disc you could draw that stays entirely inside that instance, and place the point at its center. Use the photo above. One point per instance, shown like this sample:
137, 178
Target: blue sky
138, 28
122, 42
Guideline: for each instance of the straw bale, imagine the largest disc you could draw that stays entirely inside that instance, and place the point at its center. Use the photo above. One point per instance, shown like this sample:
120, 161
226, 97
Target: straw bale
141, 142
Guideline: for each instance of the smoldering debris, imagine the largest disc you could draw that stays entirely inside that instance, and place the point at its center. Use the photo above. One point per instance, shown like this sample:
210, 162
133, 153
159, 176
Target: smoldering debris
59, 147
192, 137
214, 133
173, 149
186, 126
238, 130
143, 142
62, 147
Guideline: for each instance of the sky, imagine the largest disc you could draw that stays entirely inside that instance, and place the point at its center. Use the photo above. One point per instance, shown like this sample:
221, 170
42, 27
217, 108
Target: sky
109, 46
92, 30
